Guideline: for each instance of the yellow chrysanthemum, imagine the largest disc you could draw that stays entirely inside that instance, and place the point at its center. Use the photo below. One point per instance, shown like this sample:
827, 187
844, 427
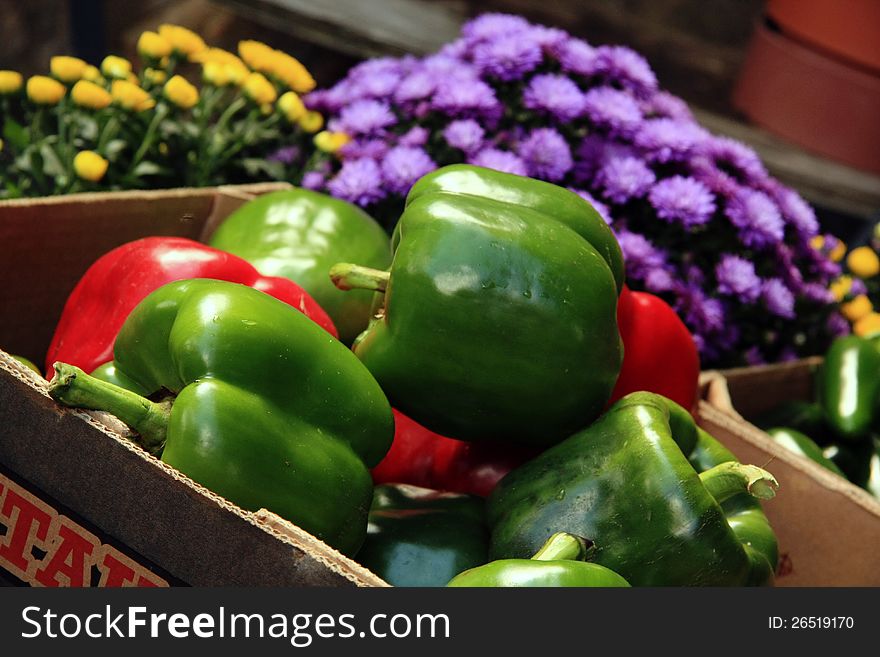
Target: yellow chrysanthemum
330, 142
93, 74
216, 74
88, 94
218, 56
44, 90
237, 74
863, 262
817, 242
857, 308
180, 92
291, 72
182, 40
256, 54
90, 166
10, 82
153, 45
115, 67
841, 287
311, 121
868, 325
291, 106
155, 76
130, 96
67, 69
259, 89
836, 254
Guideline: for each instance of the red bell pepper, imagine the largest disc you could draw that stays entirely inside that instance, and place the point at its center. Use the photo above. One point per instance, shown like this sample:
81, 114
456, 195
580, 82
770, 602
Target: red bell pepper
421, 457
659, 353
117, 281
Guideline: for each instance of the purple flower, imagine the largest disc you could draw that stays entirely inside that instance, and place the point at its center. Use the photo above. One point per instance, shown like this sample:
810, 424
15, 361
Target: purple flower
626, 67
659, 280
666, 140
837, 325
358, 181
575, 56
507, 58
466, 96
415, 136
546, 154
736, 277
493, 25
493, 158
403, 166
664, 104
374, 149
757, 218
778, 298
715, 179
817, 292
547, 38
464, 134
640, 256
740, 159
600, 207
366, 117
375, 78
612, 110
285, 155
416, 86
624, 178
796, 211
555, 95
754, 356
682, 199
858, 287
313, 180
702, 313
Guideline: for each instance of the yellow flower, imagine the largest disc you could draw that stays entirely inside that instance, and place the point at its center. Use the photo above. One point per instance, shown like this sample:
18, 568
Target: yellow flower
857, 308
817, 242
44, 90
93, 74
868, 325
256, 54
237, 73
291, 72
838, 252
841, 287
259, 89
216, 74
155, 76
311, 121
153, 45
863, 262
130, 96
88, 94
218, 56
90, 166
10, 82
330, 142
182, 40
291, 106
115, 67
67, 69
180, 92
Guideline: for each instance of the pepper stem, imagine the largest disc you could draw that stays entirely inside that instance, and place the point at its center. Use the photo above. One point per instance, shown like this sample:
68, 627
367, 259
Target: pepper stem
347, 276
730, 478
563, 546
73, 387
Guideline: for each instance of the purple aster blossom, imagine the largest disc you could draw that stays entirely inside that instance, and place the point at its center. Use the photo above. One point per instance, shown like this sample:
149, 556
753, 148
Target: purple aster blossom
366, 117
612, 110
454, 49
754, 356
493, 158
375, 78
285, 155
837, 325
730, 154
330, 100
418, 85
663, 104
791, 274
575, 56
666, 140
403, 165
736, 277
660, 280
858, 287
374, 149
415, 136
313, 180
507, 58
547, 38
626, 67
358, 181
465, 96
493, 25
681, 199
704, 314
778, 298
757, 217
797, 211
546, 154
714, 178
817, 293
624, 178
556, 95
600, 207
639, 254
464, 134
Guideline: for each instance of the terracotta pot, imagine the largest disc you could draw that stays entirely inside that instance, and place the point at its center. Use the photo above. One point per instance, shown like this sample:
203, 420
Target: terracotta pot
811, 99
846, 28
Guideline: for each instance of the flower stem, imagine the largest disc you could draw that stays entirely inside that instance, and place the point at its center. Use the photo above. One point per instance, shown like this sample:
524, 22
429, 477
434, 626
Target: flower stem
161, 112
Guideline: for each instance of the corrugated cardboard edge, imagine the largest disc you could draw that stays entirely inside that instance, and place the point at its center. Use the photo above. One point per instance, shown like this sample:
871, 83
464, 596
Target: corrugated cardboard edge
264, 520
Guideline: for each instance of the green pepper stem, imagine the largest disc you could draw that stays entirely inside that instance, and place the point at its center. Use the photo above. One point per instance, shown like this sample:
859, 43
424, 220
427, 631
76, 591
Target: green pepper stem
347, 276
73, 387
563, 546
730, 478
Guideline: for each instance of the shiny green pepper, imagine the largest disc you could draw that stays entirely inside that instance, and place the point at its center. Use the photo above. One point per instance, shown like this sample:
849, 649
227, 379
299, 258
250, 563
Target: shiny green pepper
802, 444
849, 387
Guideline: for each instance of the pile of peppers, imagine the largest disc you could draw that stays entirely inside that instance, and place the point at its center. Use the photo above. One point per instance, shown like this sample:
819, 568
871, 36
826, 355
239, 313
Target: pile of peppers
476, 400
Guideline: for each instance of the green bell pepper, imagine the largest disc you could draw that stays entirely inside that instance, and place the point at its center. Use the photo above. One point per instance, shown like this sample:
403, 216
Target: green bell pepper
498, 320
626, 483
849, 386
859, 461
560, 562
269, 410
802, 444
422, 537
300, 234
807, 417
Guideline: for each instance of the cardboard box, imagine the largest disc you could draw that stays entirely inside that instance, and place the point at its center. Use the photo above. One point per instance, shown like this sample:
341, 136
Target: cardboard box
828, 529
79, 503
